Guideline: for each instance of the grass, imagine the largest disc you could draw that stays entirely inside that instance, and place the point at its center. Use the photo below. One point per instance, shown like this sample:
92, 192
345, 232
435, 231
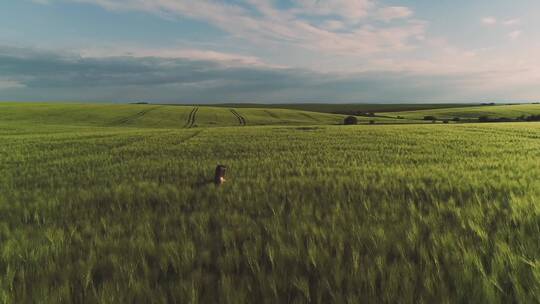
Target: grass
162, 116
154, 116
309, 213
472, 113
349, 108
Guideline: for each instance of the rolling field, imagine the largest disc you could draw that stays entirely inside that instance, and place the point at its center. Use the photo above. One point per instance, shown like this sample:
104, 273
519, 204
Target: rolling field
156, 116
105, 204
349, 109
472, 113
162, 116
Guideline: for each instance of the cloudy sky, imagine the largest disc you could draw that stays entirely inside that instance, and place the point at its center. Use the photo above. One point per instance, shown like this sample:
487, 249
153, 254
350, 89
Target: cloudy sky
270, 50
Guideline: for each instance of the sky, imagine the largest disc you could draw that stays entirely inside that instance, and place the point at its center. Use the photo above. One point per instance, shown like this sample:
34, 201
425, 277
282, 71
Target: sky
271, 51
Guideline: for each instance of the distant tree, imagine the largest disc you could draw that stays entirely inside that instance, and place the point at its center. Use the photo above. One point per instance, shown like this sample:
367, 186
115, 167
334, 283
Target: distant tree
532, 118
372, 122
350, 120
445, 121
430, 118
456, 119
483, 118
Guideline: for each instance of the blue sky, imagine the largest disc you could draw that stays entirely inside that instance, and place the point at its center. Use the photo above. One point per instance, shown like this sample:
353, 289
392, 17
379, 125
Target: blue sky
270, 50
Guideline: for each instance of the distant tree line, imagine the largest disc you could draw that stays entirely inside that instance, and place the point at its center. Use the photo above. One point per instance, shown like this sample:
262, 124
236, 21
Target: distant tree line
367, 114
485, 118
506, 119
529, 118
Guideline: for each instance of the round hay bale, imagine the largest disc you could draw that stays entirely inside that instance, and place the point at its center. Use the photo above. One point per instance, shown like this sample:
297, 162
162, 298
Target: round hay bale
350, 120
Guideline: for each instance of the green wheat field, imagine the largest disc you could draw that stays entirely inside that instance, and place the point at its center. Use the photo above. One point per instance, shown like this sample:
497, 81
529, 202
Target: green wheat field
115, 204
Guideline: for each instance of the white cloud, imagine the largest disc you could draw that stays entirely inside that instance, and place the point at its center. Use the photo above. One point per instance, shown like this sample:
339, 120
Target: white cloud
332, 36
511, 22
333, 25
290, 28
344, 35
489, 20
514, 35
352, 10
394, 12
10, 84
451, 74
225, 59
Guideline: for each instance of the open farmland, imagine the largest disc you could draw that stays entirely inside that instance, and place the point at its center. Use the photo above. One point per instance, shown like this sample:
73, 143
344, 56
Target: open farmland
472, 113
162, 116
97, 208
349, 108
156, 116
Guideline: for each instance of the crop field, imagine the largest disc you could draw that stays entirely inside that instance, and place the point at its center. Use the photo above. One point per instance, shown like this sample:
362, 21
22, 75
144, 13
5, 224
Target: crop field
472, 113
101, 203
156, 116
174, 117
349, 109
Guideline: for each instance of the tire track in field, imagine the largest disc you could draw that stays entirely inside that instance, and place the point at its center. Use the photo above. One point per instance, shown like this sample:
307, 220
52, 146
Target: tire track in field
276, 117
241, 119
272, 114
191, 118
188, 122
134, 117
191, 136
129, 141
310, 117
